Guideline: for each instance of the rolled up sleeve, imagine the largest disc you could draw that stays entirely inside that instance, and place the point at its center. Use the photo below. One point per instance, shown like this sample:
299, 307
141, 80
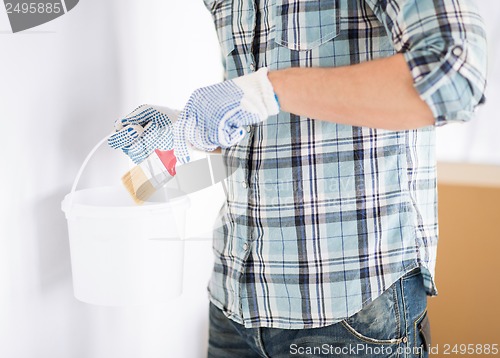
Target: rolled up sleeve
444, 44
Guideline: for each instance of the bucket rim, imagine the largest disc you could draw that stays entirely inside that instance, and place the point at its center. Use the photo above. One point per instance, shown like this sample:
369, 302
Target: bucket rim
147, 208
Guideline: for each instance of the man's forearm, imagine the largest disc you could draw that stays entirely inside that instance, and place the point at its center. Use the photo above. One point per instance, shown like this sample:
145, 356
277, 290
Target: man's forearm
376, 94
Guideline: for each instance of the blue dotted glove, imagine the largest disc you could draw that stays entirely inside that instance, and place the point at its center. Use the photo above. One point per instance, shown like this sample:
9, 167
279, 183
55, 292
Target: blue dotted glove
214, 116
145, 129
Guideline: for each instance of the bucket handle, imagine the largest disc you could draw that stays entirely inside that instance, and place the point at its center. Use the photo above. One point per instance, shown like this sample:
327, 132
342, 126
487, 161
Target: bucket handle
92, 152
82, 168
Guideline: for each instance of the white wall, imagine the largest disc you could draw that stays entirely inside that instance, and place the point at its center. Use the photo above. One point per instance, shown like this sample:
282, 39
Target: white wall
61, 86
478, 140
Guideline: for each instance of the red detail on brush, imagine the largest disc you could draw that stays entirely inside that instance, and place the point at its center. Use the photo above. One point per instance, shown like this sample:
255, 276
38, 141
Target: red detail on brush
168, 159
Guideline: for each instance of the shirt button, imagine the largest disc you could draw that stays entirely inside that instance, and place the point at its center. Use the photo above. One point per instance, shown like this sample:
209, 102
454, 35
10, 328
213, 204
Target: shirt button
245, 246
252, 67
457, 51
248, 129
244, 184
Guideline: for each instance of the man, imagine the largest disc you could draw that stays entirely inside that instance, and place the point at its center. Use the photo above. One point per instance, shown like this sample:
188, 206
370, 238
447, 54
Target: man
327, 244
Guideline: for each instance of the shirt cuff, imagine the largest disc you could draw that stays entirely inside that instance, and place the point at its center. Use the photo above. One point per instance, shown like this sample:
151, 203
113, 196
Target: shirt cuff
446, 83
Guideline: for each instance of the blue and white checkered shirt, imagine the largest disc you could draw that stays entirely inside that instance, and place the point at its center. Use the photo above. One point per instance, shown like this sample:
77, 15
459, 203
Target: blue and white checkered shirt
321, 218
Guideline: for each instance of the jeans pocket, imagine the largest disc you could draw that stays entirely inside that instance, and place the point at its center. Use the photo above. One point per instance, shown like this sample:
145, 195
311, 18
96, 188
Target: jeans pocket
306, 24
378, 322
222, 14
423, 334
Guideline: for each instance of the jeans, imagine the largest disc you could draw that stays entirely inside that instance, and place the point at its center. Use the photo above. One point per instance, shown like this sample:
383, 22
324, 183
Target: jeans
394, 325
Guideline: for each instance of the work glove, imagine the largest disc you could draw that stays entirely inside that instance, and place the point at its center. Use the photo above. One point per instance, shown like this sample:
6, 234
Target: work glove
215, 116
147, 128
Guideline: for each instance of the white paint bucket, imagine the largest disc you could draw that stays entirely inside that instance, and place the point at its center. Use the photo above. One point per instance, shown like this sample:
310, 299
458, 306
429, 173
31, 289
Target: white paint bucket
123, 254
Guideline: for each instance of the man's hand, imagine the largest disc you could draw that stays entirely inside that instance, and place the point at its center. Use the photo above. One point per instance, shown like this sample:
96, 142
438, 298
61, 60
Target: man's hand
145, 129
215, 115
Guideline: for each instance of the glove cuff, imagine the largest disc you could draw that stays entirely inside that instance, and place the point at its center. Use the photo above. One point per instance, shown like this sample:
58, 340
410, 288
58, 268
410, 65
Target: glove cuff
258, 83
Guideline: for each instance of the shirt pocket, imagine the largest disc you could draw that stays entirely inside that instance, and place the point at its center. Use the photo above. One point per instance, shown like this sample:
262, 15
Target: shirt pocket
222, 14
306, 24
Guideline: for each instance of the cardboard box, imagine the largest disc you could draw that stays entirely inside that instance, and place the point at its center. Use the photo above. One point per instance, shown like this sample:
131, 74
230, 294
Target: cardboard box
467, 309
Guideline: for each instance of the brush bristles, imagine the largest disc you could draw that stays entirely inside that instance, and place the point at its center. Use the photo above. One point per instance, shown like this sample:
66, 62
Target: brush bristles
138, 185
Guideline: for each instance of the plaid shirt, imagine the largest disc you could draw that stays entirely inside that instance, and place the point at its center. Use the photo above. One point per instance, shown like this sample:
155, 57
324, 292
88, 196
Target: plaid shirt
321, 218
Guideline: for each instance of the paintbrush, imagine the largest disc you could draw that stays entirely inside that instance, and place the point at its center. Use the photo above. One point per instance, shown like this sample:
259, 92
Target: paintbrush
151, 174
